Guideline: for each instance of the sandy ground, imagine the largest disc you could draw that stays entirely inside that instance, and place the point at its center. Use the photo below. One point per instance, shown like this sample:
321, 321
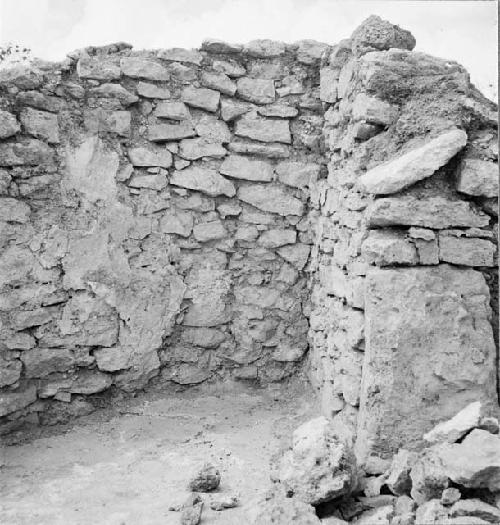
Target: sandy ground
127, 465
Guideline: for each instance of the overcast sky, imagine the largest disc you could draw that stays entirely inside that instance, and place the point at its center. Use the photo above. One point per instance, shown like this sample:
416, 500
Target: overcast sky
464, 31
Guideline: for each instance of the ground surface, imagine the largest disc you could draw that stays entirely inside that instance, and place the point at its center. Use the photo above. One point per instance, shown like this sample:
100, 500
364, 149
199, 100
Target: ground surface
128, 465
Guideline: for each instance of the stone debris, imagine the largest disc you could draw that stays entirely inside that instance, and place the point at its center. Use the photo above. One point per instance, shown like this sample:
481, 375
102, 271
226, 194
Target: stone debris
191, 510
223, 502
206, 479
319, 467
276, 509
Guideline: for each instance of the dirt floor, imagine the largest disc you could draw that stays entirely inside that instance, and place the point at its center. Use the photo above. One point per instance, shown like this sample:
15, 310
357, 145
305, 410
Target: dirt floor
129, 464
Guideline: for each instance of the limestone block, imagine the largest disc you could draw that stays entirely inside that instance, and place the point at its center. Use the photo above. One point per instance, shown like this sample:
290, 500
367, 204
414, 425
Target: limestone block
212, 45
297, 174
143, 68
8, 125
465, 251
13, 210
205, 180
413, 166
177, 54
310, 51
232, 109
264, 48
153, 182
17, 400
178, 222
28, 152
147, 90
229, 68
212, 129
270, 198
173, 110
386, 248
296, 254
478, 178
275, 238
240, 167
219, 82
375, 33
263, 130
328, 82
278, 110
430, 212
144, 157
202, 98
271, 151
168, 132
98, 68
193, 149
258, 90
111, 359
374, 111
209, 231
403, 308
40, 362
114, 91
319, 467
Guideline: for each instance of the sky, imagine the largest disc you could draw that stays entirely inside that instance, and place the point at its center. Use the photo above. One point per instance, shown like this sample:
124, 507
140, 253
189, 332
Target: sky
464, 31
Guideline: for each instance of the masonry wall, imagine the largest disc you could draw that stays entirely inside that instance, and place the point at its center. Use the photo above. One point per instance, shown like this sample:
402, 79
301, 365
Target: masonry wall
405, 281
155, 220
238, 213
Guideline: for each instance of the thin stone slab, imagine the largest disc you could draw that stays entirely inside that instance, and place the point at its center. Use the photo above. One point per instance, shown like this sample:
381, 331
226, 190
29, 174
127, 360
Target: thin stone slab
271, 198
144, 157
264, 130
429, 349
177, 54
240, 167
143, 68
202, 98
168, 132
205, 180
258, 90
413, 166
271, 151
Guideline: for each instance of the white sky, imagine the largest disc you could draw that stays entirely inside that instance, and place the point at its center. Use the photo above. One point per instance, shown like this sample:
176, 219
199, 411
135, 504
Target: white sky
464, 31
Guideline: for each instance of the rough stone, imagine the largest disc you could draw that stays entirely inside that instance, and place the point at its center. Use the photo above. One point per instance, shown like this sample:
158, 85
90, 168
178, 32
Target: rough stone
212, 129
114, 91
398, 476
319, 467
223, 502
413, 166
263, 130
387, 248
264, 48
205, 180
478, 178
377, 34
279, 510
98, 69
203, 337
452, 430
219, 82
209, 231
191, 510
239, 167
13, 210
169, 132
173, 110
193, 149
153, 182
147, 90
8, 125
450, 496
177, 222
40, 362
431, 513
17, 400
467, 252
310, 51
111, 359
206, 479
202, 98
278, 110
212, 45
377, 516
270, 198
375, 111
271, 151
229, 68
475, 507
143, 68
296, 254
275, 238
258, 90
29, 152
297, 174
144, 157
177, 54
431, 212
232, 109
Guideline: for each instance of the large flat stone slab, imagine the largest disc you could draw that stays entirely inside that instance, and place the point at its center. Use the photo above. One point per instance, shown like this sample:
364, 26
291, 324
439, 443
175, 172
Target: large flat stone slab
429, 352
264, 130
433, 212
416, 165
205, 180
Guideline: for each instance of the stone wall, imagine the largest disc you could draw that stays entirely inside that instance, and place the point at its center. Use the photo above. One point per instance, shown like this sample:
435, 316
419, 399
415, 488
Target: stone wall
155, 219
190, 216
406, 255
